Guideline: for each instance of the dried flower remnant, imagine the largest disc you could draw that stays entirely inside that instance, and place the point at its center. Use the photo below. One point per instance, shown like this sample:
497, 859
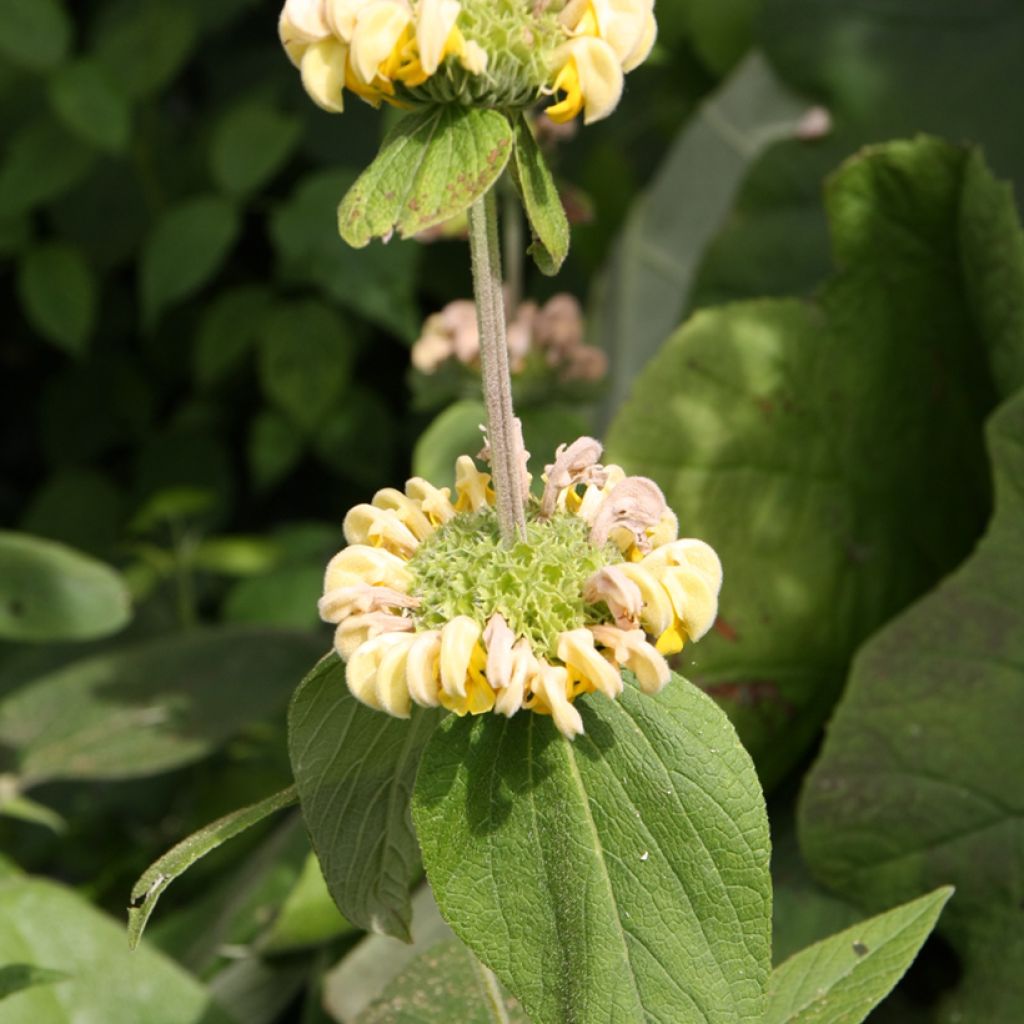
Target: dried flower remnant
432, 609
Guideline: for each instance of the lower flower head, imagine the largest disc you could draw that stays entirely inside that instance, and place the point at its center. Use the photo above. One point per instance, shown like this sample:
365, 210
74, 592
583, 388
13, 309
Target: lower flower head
432, 609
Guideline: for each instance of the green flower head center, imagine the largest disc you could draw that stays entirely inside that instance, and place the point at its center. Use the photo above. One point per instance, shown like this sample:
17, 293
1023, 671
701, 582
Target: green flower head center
537, 585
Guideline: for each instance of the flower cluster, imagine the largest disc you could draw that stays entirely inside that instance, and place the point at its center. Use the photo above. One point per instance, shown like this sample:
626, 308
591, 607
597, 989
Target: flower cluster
497, 53
551, 334
432, 609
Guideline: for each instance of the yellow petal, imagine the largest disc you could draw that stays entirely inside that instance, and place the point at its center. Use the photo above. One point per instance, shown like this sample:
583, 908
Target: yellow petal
551, 683
340, 16
421, 670
471, 486
304, 20
600, 76
458, 638
362, 668
434, 24
656, 614
689, 552
693, 600
378, 527
644, 44
622, 24
671, 641
392, 687
650, 668
576, 649
359, 563
434, 501
379, 27
323, 74
406, 509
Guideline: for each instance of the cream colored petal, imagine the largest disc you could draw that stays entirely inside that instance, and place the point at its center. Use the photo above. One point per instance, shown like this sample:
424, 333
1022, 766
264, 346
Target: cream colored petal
600, 75
690, 552
434, 23
341, 15
551, 681
524, 666
357, 629
694, 602
471, 484
421, 670
392, 688
458, 638
367, 524
362, 668
620, 593
359, 563
576, 649
434, 501
622, 24
656, 614
407, 510
323, 74
474, 58
305, 19
576, 463
631, 650
498, 640
360, 598
593, 496
644, 44
379, 26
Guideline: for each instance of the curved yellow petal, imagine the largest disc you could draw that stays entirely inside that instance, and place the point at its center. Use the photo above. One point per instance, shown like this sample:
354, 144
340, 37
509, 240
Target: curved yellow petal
379, 27
392, 687
656, 614
407, 510
551, 683
576, 649
323, 74
434, 24
693, 600
458, 638
362, 668
378, 527
435, 502
422, 668
359, 563
641, 51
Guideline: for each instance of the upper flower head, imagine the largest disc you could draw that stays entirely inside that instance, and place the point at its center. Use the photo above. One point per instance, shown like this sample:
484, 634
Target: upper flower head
496, 53
432, 609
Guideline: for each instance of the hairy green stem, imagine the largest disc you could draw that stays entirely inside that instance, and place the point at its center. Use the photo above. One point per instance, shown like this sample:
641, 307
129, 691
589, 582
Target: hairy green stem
497, 382
492, 992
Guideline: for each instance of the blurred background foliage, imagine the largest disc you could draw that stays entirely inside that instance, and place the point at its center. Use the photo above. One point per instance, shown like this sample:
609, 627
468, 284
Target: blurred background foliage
198, 378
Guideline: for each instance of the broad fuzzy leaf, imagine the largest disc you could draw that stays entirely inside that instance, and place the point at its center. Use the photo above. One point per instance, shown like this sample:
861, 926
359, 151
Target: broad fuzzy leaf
619, 878
541, 200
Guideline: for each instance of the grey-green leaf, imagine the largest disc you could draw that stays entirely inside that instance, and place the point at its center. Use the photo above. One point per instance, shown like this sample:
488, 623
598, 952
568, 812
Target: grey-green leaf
58, 291
919, 780
431, 166
16, 977
619, 878
52, 592
354, 769
45, 924
153, 705
841, 979
186, 248
159, 875
541, 201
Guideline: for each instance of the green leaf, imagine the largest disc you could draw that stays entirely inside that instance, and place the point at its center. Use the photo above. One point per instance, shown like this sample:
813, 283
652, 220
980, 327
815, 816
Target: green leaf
645, 283
621, 877
918, 783
236, 555
142, 46
722, 31
17, 977
35, 34
446, 983
186, 248
843, 978
379, 282
354, 769
431, 166
51, 592
306, 356
86, 100
29, 173
23, 809
47, 925
150, 887
58, 291
229, 330
151, 706
284, 597
274, 449
250, 145
804, 442
541, 201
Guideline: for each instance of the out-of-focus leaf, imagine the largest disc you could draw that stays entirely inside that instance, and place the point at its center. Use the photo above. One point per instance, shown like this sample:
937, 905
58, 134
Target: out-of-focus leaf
35, 34
308, 916
29, 174
842, 978
721, 32
456, 432
51, 592
22, 808
541, 200
51, 927
17, 977
354, 769
86, 100
185, 249
363, 455
831, 451
236, 556
151, 706
275, 447
919, 781
585, 874
229, 330
250, 145
378, 282
150, 887
446, 983
306, 357
142, 46
431, 166
258, 991
58, 291
284, 597
644, 287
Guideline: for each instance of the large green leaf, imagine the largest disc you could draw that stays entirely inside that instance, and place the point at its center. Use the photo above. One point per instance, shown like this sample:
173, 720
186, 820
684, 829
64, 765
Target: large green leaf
59, 293
48, 925
51, 592
354, 769
622, 877
831, 451
842, 978
91, 105
543, 204
251, 143
151, 706
919, 782
35, 34
645, 284
431, 166
18, 977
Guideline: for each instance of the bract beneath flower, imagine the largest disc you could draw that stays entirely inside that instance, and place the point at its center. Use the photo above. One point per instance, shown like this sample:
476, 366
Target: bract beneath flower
432, 609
